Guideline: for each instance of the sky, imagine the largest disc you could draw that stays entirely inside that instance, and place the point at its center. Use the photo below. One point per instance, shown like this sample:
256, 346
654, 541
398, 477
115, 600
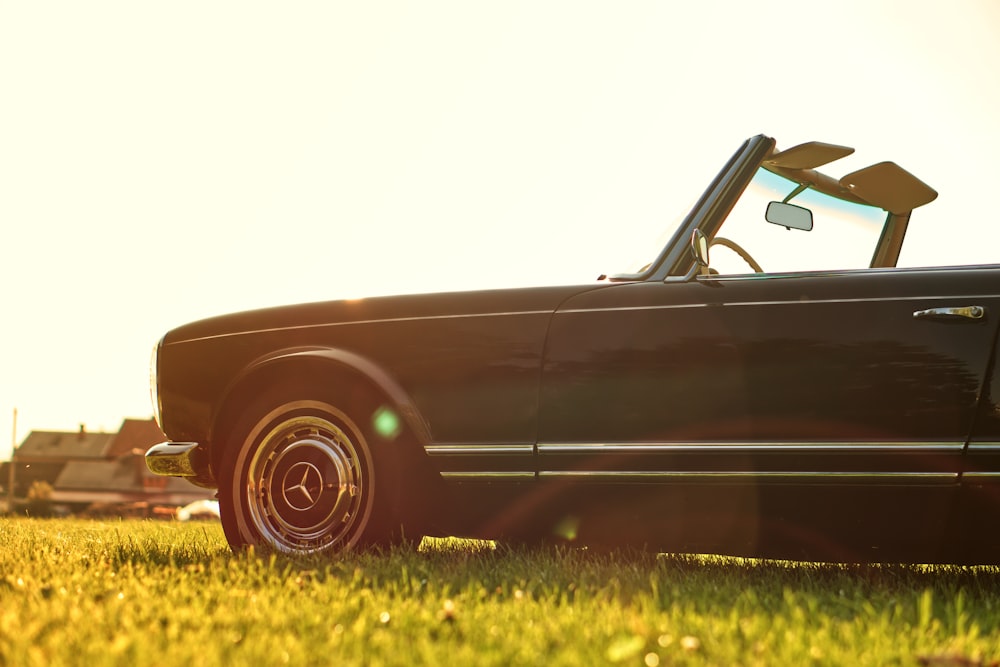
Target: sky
164, 162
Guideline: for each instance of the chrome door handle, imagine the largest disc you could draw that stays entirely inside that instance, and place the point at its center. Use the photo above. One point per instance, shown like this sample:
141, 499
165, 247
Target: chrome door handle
955, 312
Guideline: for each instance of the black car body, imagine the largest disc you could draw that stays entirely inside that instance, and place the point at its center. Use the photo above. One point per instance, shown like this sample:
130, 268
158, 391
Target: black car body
839, 409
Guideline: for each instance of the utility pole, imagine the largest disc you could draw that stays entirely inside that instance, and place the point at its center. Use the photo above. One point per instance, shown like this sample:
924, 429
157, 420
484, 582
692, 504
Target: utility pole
10, 466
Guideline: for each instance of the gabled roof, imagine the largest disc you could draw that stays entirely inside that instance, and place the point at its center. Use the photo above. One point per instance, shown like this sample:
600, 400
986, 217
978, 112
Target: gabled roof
135, 434
64, 445
120, 480
98, 475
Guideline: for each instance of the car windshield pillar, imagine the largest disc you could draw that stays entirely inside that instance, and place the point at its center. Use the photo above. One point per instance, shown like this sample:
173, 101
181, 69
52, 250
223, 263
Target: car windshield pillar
711, 208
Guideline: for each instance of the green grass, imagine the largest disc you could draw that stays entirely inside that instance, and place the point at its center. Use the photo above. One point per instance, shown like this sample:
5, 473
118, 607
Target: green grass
150, 593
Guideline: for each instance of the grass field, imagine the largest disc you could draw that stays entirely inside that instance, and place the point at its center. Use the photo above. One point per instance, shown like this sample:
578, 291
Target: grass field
157, 593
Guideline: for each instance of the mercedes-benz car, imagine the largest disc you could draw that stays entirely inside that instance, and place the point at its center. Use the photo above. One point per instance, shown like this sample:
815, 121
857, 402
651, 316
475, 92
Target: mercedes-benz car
768, 384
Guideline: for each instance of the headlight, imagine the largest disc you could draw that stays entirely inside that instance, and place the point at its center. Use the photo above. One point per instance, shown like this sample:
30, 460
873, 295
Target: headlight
154, 395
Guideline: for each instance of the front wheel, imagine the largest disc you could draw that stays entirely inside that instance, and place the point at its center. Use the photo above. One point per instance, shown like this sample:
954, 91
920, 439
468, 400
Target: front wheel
301, 477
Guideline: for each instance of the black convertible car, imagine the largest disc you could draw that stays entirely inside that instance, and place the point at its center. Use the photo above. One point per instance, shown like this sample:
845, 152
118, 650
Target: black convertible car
793, 396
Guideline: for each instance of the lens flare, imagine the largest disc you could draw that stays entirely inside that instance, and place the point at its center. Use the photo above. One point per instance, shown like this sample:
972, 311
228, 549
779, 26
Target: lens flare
567, 528
386, 423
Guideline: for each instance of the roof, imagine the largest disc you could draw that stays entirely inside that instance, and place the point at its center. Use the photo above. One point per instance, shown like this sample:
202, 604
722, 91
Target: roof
135, 434
121, 480
98, 475
127, 473
64, 445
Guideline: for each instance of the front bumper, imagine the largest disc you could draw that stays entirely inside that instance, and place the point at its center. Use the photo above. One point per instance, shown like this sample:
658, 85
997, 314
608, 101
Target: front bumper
181, 459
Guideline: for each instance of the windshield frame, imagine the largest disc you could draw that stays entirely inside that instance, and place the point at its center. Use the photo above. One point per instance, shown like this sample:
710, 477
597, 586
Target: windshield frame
715, 202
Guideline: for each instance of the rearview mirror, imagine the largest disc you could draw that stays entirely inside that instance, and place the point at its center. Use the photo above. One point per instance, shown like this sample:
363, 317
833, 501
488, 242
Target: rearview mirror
789, 216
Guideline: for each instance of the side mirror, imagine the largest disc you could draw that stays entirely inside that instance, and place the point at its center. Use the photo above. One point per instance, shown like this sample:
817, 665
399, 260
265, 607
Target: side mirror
699, 249
789, 216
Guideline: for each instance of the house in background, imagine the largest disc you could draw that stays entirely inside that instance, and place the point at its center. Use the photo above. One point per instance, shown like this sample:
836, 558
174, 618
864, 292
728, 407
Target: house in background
89, 470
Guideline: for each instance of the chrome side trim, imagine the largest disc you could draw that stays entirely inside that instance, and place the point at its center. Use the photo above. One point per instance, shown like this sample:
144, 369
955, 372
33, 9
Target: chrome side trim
707, 476
982, 476
480, 450
984, 446
749, 476
587, 448
485, 476
674, 306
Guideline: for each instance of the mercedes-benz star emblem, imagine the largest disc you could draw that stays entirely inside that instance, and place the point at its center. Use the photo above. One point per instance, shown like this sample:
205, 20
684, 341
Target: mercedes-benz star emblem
302, 486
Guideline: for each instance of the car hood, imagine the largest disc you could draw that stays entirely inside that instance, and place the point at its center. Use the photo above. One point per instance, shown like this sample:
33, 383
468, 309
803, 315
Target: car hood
384, 308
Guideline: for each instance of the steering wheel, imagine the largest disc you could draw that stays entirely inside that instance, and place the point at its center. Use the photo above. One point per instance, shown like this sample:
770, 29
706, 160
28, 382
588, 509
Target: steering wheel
735, 247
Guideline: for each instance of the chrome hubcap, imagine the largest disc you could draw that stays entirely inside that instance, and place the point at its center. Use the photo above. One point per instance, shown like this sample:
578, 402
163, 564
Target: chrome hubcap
306, 488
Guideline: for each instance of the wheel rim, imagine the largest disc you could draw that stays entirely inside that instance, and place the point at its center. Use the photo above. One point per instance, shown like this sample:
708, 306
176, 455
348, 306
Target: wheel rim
308, 485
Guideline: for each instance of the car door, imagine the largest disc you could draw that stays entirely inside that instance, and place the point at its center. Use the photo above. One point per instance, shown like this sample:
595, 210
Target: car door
823, 411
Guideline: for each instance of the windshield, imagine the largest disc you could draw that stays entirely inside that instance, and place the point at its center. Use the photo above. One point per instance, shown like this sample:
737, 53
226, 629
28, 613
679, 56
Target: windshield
844, 234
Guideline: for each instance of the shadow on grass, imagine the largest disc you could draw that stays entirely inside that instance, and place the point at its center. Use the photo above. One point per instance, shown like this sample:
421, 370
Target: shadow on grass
562, 573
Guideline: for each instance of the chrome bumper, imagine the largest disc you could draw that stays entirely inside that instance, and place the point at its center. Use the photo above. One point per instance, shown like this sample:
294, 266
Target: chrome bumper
181, 459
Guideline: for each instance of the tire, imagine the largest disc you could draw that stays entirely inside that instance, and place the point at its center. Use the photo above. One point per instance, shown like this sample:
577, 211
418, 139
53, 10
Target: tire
302, 477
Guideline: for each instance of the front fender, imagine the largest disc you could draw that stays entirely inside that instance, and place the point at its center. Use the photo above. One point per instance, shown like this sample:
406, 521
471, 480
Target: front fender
342, 360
